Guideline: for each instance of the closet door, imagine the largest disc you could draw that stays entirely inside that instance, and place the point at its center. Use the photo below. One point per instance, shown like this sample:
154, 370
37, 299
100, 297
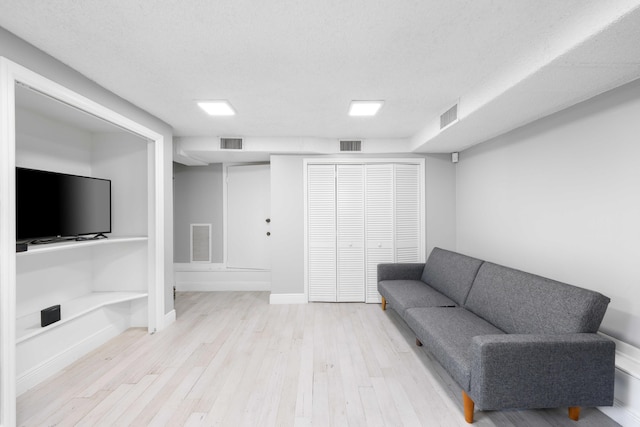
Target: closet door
407, 213
350, 236
379, 223
321, 232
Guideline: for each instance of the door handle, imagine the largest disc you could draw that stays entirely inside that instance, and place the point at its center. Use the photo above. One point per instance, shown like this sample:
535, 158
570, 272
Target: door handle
268, 220
268, 233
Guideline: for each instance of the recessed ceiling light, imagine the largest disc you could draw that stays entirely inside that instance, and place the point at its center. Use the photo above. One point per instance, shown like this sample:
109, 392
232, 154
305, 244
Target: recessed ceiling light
364, 108
217, 108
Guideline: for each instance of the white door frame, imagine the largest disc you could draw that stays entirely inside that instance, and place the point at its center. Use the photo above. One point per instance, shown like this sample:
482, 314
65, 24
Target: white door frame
11, 74
420, 161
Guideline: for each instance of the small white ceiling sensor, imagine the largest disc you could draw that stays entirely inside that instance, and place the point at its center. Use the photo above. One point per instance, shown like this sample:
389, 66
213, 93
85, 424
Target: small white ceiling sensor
365, 108
218, 107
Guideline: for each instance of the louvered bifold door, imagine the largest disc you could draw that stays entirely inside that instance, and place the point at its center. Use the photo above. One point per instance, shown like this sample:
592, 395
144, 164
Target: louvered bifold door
321, 232
407, 213
379, 224
350, 225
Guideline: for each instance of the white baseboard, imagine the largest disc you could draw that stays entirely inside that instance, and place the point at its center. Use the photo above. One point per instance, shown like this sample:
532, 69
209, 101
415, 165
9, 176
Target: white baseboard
621, 414
287, 299
169, 318
58, 362
626, 405
222, 286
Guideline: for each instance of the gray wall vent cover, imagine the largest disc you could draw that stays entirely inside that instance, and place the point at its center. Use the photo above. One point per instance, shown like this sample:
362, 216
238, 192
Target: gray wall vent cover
231, 143
350, 145
200, 242
449, 117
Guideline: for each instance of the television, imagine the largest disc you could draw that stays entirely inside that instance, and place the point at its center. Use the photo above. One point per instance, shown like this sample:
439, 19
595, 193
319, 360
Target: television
54, 206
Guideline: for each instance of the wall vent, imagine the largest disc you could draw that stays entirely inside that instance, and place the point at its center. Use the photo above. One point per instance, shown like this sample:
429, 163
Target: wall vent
449, 117
231, 143
350, 145
200, 242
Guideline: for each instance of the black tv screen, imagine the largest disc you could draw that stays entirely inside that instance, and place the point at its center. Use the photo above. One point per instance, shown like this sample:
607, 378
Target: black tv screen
51, 204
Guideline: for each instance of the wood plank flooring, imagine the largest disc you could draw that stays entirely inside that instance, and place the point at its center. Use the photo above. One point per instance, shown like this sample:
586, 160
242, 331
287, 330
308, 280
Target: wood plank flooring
231, 359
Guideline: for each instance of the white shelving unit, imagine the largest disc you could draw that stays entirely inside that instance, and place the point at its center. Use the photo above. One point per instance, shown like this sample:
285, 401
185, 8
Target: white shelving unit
103, 286
28, 326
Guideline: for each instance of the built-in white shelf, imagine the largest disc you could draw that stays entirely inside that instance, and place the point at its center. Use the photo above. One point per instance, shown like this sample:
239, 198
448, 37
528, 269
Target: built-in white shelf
28, 326
68, 245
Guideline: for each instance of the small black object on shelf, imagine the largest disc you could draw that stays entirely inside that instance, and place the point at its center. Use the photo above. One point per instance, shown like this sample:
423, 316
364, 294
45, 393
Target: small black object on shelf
50, 315
22, 247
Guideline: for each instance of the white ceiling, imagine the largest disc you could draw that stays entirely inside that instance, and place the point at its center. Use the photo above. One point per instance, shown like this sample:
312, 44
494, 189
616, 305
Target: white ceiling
290, 67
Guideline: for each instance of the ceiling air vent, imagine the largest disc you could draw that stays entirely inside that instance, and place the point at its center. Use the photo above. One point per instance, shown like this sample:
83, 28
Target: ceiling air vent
231, 143
449, 117
350, 145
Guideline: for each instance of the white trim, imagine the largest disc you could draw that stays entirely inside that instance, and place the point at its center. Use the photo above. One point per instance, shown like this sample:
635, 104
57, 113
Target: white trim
7, 241
10, 75
414, 160
305, 195
626, 405
627, 357
288, 299
187, 266
622, 414
225, 286
156, 285
169, 318
224, 212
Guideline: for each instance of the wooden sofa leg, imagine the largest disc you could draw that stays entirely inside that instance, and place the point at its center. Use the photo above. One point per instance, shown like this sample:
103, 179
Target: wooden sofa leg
418, 343
384, 304
574, 413
468, 405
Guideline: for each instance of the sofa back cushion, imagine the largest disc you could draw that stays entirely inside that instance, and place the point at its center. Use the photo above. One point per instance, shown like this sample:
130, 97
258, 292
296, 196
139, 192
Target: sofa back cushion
523, 303
450, 273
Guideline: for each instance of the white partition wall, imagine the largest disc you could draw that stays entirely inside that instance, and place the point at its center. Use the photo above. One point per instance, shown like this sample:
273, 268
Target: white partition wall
359, 214
103, 286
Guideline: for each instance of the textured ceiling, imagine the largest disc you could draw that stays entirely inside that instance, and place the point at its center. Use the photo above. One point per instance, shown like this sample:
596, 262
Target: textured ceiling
290, 67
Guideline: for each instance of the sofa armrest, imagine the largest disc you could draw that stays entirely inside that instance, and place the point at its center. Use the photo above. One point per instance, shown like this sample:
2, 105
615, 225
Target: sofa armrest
541, 371
400, 271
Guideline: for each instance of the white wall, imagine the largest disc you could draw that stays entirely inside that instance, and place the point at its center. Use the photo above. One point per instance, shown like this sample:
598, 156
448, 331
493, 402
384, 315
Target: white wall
440, 201
42, 143
122, 158
198, 200
561, 198
34, 59
287, 216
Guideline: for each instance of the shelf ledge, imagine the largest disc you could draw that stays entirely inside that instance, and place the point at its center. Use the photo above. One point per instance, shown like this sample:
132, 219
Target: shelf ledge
60, 246
28, 326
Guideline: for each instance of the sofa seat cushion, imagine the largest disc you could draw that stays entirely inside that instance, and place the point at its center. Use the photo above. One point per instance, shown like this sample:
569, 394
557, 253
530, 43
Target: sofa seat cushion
447, 333
403, 294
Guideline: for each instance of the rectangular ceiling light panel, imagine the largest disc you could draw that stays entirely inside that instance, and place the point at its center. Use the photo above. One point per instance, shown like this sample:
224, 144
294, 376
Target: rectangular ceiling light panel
365, 108
217, 108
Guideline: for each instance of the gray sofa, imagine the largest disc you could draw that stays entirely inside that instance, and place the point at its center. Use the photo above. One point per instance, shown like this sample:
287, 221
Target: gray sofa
510, 339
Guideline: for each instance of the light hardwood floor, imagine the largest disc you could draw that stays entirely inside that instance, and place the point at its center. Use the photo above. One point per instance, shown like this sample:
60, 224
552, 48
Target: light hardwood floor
231, 359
